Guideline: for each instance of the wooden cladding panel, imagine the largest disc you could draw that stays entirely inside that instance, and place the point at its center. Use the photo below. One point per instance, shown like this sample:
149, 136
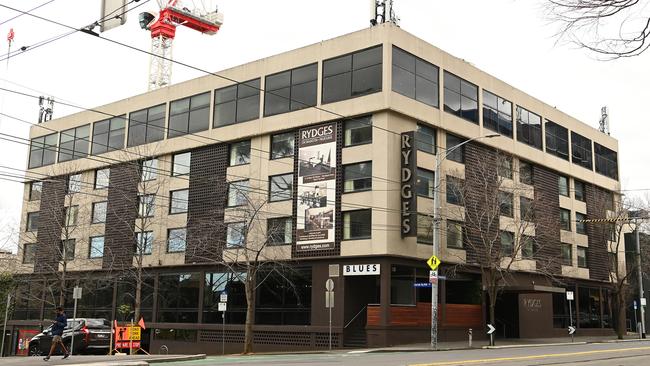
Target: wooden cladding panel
456, 315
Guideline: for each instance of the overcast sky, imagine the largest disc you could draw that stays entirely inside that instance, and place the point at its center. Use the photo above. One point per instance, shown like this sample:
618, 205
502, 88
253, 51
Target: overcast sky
509, 39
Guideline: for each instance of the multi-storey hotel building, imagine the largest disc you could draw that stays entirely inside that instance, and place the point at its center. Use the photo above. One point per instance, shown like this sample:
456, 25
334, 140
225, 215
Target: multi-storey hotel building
317, 134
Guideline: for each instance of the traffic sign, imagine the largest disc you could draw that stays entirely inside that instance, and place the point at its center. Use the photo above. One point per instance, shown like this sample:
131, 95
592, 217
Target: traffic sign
329, 299
572, 329
329, 284
635, 305
223, 297
222, 306
491, 329
569, 295
76, 293
433, 262
643, 301
433, 277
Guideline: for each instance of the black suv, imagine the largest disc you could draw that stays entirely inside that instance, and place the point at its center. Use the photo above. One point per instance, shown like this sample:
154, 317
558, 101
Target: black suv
90, 335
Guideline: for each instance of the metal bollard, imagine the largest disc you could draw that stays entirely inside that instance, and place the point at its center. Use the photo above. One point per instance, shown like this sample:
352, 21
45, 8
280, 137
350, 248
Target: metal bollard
470, 337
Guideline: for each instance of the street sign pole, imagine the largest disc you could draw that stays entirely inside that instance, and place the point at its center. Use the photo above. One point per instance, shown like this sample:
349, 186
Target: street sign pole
4, 327
76, 295
490, 332
329, 302
223, 305
569, 297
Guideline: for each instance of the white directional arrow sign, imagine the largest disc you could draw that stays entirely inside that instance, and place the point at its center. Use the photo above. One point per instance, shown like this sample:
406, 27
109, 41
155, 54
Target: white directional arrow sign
491, 329
572, 329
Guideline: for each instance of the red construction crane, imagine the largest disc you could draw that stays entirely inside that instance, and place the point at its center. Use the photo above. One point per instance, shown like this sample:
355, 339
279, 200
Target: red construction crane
163, 30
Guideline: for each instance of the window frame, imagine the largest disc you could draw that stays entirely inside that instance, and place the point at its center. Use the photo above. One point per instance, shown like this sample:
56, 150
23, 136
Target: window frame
579, 197
182, 173
506, 204
347, 128
415, 75
65, 253
270, 236
74, 153
560, 144
422, 239
568, 188
40, 147
90, 246
578, 144
191, 110
242, 232
453, 155
93, 211
461, 233
581, 227
525, 128
29, 219
147, 125
148, 244
603, 156
503, 252
567, 226
228, 197
149, 207
523, 167
230, 152
112, 135
586, 256
365, 178
454, 196
32, 184
172, 200
498, 112
448, 90
34, 247
362, 237
169, 237
282, 195
74, 183
239, 88
275, 92
424, 144
273, 155
71, 214
352, 71
106, 176
566, 261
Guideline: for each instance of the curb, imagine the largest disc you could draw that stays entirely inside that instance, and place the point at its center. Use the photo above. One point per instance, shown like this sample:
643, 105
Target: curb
624, 340
534, 345
200, 356
113, 363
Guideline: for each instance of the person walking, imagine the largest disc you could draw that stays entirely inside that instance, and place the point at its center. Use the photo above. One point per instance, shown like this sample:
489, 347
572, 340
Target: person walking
58, 325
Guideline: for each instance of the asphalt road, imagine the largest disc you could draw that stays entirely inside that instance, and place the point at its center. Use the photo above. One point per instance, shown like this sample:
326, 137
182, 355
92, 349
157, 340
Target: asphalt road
601, 354
609, 354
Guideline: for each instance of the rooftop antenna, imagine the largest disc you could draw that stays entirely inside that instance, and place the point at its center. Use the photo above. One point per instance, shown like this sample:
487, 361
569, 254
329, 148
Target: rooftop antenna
603, 125
46, 109
381, 11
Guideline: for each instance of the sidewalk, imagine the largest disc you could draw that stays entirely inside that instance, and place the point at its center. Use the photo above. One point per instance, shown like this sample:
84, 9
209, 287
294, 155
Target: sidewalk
503, 343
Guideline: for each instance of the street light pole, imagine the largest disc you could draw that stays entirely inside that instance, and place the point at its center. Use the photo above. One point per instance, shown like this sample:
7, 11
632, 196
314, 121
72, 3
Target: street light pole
640, 278
436, 230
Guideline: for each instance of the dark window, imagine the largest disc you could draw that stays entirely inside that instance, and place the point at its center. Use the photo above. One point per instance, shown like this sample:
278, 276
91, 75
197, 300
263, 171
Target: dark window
240, 153
581, 151
74, 143
357, 177
358, 131
42, 151
352, 75
454, 234
606, 161
425, 139
565, 219
99, 212
189, 115
526, 209
525, 172
235, 234
29, 253
279, 230
96, 249
567, 254
497, 114
144, 243
582, 257
108, 135
146, 205
357, 224
504, 168
146, 125
178, 201
178, 298
557, 140
453, 152
237, 103
424, 183
579, 190
102, 178
176, 239
529, 128
507, 243
32, 221
563, 185
238, 193
281, 187
149, 170
580, 224
527, 247
454, 190
67, 248
461, 97
233, 284
290, 90
425, 229
181, 164
589, 304
505, 203
283, 298
35, 190
282, 145
178, 335
402, 291
415, 78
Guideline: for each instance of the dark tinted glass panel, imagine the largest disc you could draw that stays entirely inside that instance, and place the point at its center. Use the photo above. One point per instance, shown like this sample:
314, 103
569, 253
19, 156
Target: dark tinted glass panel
581, 151
557, 140
529, 128
497, 114
454, 153
237, 103
606, 161
414, 77
352, 75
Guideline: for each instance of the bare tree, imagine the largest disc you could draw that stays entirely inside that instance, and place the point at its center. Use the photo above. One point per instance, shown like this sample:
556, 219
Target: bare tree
246, 246
610, 28
502, 228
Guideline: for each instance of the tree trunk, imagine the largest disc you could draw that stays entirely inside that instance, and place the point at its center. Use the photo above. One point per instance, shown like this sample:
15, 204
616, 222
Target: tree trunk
620, 306
138, 296
250, 313
62, 289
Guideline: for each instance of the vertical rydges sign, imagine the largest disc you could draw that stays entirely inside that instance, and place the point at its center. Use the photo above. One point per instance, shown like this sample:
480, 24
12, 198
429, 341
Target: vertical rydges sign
316, 187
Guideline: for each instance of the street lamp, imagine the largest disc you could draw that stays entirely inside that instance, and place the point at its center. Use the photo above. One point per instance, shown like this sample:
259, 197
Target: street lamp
436, 223
637, 217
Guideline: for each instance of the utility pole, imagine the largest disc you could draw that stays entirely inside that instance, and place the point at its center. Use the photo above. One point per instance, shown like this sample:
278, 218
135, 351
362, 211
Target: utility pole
640, 278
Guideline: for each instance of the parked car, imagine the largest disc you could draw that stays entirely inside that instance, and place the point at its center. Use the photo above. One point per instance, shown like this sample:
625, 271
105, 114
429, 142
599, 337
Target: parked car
90, 336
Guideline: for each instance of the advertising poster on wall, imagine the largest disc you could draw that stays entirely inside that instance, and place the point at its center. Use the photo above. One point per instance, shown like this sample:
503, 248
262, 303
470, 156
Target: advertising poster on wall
316, 188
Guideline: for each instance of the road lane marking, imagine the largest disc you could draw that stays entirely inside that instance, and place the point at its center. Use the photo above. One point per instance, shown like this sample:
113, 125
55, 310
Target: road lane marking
531, 357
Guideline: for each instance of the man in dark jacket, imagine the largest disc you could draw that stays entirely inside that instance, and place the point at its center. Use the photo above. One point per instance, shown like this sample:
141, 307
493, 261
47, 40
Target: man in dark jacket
58, 325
